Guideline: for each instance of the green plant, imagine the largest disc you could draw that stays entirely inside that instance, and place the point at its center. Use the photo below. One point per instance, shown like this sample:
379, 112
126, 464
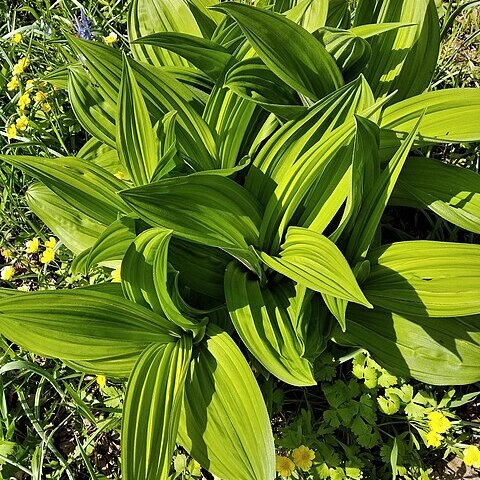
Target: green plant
238, 172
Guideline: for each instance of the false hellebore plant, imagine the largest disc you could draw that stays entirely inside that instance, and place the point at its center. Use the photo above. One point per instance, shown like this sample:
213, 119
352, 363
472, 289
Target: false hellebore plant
260, 146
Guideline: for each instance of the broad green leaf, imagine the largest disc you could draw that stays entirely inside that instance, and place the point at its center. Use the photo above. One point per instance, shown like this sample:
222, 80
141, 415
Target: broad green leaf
151, 412
83, 325
92, 109
403, 59
144, 277
262, 321
367, 31
112, 244
208, 209
301, 63
426, 278
338, 14
136, 140
251, 79
225, 430
451, 115
94, 148
451, 192
309, 14
57, 77
361, 235
80, 183
149, 17
312, 260
208, 56
76, 230
437, 351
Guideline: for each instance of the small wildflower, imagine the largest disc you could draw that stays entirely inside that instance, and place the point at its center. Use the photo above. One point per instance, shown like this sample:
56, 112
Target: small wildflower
16, 38
284, 466
120, 175
84, 26
32, 245
50, 243
438, 422
24, 101
471, 456
101, 381
433, 439
111, 38
13, 84
21, 65
40, 97
8, 273
11, 131
23, 288
7, 254
116, 276
30, 84
303, 456
22, 123
47, 256
46, 107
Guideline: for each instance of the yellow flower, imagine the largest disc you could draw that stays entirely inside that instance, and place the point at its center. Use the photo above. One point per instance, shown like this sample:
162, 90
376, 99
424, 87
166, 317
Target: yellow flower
29, 84
46, 107
120, 175
13, 84
16, 38
284, 466
303, 456
111, 38
471, 456
116, 276
32, 245
21, 65
11, 131
101, 381
22, 123
438, 422
50, 243
24, 101
40, 96
47, 256
8, 272
7, 254
433, 439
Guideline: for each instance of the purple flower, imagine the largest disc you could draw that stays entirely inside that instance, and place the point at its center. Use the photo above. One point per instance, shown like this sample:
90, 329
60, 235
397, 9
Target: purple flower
84, 26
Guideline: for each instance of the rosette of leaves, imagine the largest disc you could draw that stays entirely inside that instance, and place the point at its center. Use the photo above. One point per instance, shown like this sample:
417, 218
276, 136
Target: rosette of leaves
259, 147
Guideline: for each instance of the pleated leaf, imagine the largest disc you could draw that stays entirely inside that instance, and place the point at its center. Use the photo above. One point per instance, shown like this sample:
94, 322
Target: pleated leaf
264, 325
301, 62
227, 431
427, 278
312, 260
83, 325
437, 351
151, 412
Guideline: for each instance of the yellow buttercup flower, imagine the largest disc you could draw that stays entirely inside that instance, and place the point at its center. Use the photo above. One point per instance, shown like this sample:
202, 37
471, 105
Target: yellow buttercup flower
47, 256
16, 38
8, 272
30, 84
284, 466
46, 107
22, 123
116, 276
7, 254
13, 84
111, 38
11, 131
303, 456
101, 381
50, 243
120, 175
40, 97
24, 101
21, 66
433, 439
32, 245
438, 422
471, 456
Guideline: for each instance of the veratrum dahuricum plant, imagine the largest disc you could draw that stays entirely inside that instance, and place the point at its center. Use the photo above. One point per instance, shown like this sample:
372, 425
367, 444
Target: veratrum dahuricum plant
260, 146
